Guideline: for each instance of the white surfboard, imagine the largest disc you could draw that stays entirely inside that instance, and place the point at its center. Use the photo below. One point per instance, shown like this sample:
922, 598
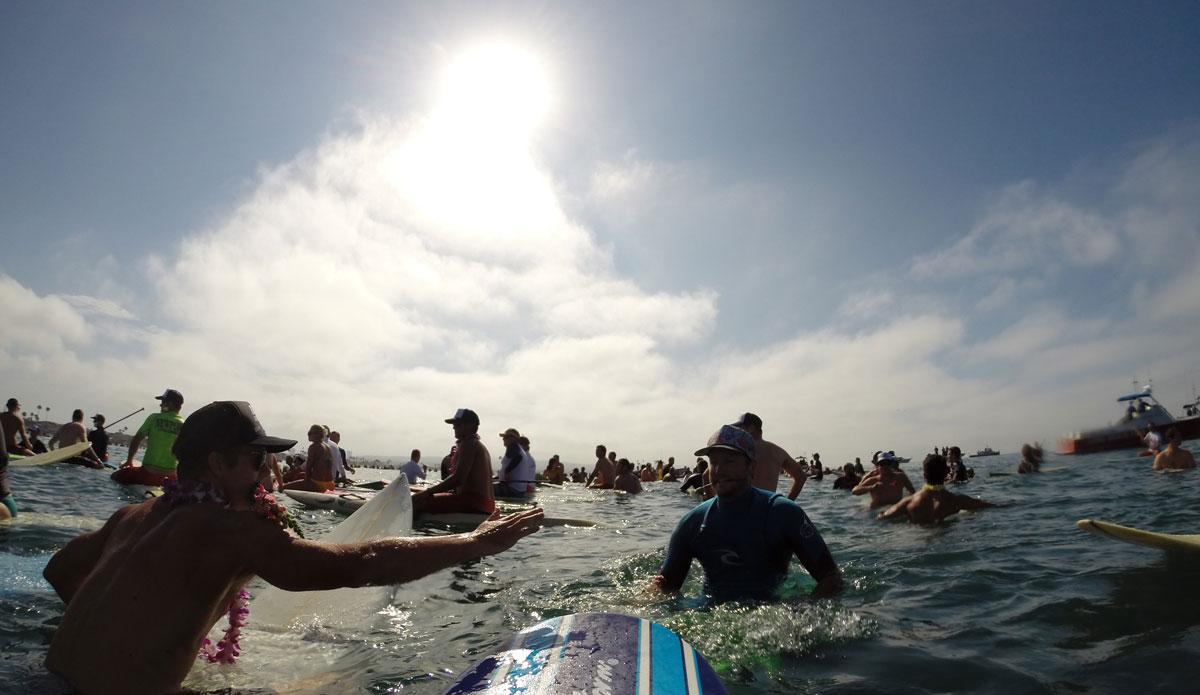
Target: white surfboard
388, 513
52, 456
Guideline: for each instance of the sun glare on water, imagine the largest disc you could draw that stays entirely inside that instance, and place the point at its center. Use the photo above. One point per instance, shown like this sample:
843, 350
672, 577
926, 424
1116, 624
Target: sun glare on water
470, 167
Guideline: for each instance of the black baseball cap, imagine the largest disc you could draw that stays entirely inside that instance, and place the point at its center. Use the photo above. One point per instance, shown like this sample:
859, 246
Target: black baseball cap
170, 395
222, 425
749, 419
464, 415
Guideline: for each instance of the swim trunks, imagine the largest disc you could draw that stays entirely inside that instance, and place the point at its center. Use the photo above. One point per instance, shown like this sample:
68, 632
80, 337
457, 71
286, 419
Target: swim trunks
11, 503
450, 502
142, 476
324, 485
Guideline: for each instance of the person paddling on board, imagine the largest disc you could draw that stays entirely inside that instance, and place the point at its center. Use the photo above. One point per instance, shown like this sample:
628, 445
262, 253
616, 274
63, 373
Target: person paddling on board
159, 432
73, 433
187, 555
469, 485
886, 484
745, 537
99, 437
1175, 457
319, 468
772, 459
933, 502
16, 438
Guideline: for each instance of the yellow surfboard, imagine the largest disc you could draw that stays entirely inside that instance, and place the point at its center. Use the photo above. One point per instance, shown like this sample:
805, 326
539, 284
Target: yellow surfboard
1150, 539
52, 456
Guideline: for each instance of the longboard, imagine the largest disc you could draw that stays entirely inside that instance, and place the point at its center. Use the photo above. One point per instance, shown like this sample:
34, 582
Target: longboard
52, 456
342, 502
388, 513
592, 653
473, 520
1150, 539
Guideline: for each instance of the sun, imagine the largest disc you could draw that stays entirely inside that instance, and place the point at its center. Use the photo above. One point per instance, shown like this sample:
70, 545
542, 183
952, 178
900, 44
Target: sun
495, 88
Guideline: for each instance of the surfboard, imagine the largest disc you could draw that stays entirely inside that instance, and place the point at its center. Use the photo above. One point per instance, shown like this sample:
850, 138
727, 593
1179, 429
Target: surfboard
52, 456
388, 513
1150, 539
342, 502
591, 653
1005, 474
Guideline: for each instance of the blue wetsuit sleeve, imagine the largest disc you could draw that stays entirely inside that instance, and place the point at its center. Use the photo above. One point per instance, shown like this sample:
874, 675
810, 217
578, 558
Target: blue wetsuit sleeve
806, 542
679, 554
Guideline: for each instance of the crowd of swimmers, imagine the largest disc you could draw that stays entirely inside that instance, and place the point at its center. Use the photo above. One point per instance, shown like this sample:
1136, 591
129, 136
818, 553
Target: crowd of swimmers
743, 535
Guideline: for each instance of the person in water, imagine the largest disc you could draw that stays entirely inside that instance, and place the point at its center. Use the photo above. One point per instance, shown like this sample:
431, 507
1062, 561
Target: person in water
604, 473
1031, 459
745, 537
772, 459
886, 484
319, 466
74, 433
848, 479
99, 437
16, 437
697, 480
468, 488
187, 555
1174, 457
958, 471
158, 431
626, 480
8, 504
933, 502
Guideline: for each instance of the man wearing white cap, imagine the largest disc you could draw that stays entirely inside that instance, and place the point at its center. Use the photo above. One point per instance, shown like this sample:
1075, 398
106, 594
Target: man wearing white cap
159, 432
744, 537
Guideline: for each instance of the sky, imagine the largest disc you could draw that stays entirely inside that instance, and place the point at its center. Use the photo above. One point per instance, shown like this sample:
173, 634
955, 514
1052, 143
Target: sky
877, 225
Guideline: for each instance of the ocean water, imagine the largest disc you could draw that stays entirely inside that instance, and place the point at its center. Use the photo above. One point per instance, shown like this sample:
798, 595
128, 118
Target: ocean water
1008, 600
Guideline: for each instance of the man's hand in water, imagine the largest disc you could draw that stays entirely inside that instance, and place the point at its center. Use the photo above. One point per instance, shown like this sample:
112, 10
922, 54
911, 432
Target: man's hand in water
499, 533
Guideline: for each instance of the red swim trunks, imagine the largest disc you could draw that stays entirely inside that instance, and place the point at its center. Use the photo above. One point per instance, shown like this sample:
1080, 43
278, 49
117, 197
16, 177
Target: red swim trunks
449, 502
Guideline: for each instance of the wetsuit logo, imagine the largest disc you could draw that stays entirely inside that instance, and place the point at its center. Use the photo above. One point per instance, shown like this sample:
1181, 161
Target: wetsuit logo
730, 557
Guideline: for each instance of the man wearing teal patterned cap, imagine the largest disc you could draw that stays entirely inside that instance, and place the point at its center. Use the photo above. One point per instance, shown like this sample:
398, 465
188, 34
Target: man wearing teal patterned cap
744, 537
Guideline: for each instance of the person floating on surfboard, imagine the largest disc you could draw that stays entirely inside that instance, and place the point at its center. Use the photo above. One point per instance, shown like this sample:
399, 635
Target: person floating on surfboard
16, 438
1031, 459
186, 556
468, 488
745, 537
933, 502
158, 431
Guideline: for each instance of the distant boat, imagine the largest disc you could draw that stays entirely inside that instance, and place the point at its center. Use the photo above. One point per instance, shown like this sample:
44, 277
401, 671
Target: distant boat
985, 451
1143, 412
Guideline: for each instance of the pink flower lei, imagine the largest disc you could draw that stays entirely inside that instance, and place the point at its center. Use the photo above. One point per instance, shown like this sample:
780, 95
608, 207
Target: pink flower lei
175, 493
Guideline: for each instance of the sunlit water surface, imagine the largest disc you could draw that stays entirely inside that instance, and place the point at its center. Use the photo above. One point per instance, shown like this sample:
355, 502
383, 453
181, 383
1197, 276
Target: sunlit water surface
1009, 600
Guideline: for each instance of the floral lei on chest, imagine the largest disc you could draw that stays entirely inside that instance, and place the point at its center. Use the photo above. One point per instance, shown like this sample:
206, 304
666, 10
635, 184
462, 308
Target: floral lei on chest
176, 494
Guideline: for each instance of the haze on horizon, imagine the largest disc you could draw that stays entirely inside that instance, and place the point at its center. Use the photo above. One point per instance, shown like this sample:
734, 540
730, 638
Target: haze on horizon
886, 226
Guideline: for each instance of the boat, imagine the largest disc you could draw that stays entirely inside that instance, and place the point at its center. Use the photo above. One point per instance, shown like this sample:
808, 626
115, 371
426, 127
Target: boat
985, 451
1142, 412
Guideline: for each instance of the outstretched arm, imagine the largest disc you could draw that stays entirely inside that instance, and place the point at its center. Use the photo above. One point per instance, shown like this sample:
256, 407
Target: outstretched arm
295, 564
896, 509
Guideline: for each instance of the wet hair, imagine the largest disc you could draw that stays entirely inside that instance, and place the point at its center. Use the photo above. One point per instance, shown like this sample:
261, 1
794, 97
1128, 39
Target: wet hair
602, 449
416, 454
77, 415
1172, 434
956, 451
1031, 453
935, 469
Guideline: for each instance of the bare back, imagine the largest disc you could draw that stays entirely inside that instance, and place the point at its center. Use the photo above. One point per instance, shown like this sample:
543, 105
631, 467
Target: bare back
768, 465
604, 474
1174, 458
68, 434
928, 506
320, 462
15, 436
474, 462
159, 586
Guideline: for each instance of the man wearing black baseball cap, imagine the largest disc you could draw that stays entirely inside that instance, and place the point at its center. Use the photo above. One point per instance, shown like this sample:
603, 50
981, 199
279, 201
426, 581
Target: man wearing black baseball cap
469, 486
744, 537
159, 432
184, 555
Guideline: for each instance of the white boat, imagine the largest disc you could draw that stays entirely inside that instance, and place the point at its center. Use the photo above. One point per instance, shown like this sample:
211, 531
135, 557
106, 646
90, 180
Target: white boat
985, 451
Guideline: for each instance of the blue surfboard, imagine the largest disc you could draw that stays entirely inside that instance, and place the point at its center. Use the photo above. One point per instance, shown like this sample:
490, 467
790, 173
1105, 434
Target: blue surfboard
592, 653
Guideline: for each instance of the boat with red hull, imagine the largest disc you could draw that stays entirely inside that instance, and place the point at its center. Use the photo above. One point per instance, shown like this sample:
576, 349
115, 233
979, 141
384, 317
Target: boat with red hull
1143, 412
